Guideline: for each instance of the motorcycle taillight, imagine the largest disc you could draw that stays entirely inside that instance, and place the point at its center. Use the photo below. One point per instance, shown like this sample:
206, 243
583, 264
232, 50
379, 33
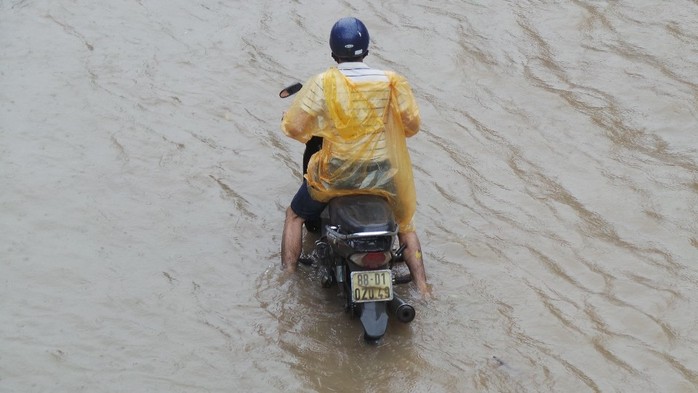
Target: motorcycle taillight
371, 260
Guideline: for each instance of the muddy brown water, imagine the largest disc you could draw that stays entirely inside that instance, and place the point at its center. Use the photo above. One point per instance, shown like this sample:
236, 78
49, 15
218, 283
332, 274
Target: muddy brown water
144, 181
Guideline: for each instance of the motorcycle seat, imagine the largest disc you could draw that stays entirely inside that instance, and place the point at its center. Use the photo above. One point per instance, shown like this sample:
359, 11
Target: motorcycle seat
361, 213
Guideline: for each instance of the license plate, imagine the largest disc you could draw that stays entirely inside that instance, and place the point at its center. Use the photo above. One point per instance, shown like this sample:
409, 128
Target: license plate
371, 286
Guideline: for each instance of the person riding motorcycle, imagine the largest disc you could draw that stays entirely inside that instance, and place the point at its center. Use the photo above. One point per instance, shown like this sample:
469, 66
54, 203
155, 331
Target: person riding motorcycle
364, 116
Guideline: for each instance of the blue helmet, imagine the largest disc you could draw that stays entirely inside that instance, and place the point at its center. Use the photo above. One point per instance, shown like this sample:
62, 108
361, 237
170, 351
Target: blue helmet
349, 38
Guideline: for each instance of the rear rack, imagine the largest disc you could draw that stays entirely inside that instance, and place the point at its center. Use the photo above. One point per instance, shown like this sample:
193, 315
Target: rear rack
332, 231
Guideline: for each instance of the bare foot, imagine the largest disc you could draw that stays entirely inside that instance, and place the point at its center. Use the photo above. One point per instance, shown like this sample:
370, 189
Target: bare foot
425, 291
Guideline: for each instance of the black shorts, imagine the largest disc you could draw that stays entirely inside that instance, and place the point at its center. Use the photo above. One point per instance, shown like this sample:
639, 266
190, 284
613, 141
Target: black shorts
305, 206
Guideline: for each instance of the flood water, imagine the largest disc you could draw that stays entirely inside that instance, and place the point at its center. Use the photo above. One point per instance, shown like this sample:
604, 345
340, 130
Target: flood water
144, 179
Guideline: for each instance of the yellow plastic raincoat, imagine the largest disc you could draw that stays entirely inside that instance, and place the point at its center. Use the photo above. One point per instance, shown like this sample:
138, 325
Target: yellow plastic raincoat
364, 150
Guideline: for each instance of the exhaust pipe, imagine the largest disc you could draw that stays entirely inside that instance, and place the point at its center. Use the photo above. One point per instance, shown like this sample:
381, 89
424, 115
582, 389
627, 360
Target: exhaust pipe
403, 311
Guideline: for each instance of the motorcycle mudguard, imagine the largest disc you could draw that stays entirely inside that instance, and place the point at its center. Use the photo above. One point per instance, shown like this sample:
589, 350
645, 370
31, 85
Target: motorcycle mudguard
374, 318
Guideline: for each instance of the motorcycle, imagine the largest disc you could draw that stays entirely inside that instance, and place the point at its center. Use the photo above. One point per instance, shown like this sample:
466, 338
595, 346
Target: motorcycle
358, 251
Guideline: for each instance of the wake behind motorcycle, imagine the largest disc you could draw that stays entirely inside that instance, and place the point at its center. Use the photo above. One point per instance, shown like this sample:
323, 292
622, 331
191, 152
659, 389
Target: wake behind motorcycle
358, 252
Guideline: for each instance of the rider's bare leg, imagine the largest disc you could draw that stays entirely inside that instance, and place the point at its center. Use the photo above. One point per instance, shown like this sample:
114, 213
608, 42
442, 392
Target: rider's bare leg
291, 241
414, 261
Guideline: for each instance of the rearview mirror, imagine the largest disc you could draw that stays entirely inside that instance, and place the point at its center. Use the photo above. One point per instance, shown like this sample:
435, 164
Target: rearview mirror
290, 90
